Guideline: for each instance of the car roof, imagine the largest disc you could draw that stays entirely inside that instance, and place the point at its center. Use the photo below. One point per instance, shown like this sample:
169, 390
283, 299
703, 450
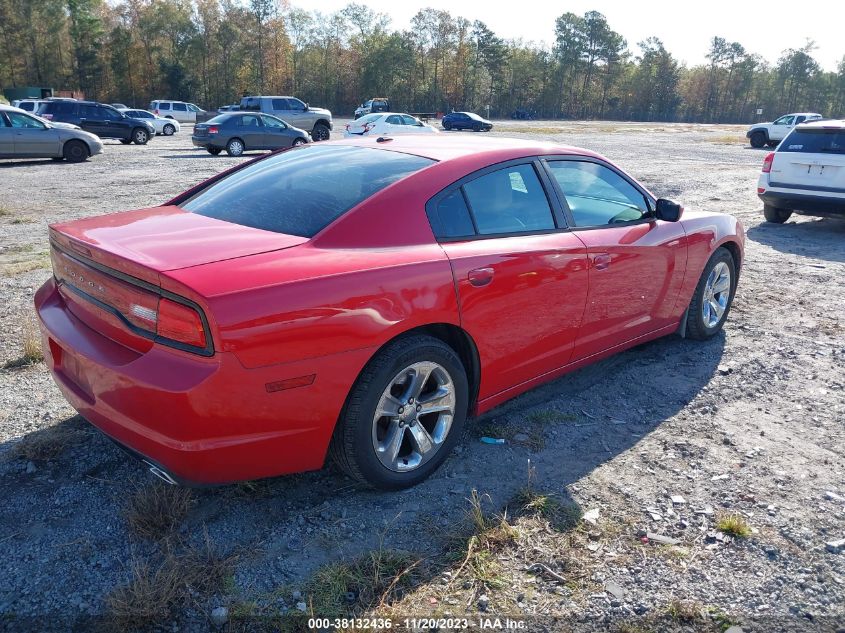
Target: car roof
802, 114
833, 124
444, 147
9, 108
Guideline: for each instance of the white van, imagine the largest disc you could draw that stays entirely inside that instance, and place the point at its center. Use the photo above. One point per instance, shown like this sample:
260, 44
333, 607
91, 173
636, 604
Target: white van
178, 110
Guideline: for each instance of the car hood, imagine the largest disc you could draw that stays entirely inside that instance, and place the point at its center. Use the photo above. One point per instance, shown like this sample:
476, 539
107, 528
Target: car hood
65, 126
320, 111
169, 238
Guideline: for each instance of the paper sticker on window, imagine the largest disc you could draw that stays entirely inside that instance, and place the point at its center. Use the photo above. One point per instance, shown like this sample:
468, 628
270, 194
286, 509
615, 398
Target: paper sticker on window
517, 183
796, 147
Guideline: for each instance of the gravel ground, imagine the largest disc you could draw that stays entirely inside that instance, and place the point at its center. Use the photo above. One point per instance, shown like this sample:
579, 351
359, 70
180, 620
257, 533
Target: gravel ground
661, 440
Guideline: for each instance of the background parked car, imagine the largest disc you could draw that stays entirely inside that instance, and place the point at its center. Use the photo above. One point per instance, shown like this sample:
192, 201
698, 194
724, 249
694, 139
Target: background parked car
29, 105
119, 106
773, 133
293, 112
376, 104
100, 119
179, 110
23, 135
806, 174
388, 124
238, 132
466, 121
167, 127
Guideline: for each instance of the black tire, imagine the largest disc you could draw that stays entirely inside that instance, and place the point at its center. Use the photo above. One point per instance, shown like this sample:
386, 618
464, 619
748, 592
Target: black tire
235, 147
299, 141
214, 151
758, 139
772, 143
477, 127
169, 129
697, 327
352, 443
447, 126
75, 151
126, 141
321, 132
773, 214
140, 136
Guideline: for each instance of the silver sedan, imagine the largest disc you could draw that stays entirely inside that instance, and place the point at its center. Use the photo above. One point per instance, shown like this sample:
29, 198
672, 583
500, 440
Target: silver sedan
23, 135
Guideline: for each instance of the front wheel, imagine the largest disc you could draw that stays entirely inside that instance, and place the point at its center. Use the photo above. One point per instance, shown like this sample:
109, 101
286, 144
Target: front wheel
773, 214
75, 151
235, 147
140, 137
713, 296
321, 132
299, 141
404, 414
758, 140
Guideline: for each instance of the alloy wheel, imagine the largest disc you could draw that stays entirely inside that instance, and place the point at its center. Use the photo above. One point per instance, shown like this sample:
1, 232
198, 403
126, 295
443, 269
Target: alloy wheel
413, 416
717, 292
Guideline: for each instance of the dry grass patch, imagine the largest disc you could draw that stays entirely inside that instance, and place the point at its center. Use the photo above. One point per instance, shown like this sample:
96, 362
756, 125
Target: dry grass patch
30, 345
48, 443
155, 510
22, 221
154, 594
685, 611
530, 431
4, 210
733, 525
726, 139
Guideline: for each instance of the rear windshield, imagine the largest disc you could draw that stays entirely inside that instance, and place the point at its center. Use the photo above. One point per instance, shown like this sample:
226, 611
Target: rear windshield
219, 119
814, 141
301, 191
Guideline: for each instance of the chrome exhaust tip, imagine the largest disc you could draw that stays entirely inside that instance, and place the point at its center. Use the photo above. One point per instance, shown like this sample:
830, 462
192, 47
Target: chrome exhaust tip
161, 474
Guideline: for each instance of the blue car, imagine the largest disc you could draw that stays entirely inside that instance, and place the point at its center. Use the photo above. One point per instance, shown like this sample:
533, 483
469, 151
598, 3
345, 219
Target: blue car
466, 121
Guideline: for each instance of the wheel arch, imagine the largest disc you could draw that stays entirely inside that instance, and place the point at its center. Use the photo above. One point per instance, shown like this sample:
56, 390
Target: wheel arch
754, 130
323, 122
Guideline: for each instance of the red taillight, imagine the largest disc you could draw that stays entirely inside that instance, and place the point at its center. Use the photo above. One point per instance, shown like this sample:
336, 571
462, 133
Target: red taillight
767, 163
180, 323
213, 129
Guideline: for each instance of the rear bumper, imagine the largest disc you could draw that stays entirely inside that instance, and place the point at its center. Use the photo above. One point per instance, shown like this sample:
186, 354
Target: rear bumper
206, 142
202, 420
803, 202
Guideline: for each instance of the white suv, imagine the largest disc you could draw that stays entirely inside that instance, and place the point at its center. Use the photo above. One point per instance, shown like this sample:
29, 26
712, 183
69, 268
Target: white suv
773, 133
177, 110
806, 174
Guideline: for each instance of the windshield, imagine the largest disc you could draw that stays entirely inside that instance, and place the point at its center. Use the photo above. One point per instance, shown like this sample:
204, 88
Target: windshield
301, 191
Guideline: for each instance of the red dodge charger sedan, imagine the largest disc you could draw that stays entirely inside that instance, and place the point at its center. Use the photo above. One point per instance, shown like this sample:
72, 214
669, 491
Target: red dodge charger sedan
362, 298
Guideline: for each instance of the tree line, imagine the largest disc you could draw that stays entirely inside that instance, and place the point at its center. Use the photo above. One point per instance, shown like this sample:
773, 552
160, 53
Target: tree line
212, 52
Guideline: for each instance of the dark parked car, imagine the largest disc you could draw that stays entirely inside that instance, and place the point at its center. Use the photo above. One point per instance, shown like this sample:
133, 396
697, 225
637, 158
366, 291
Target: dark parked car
466, 121
100, 119
521, 114
238, 132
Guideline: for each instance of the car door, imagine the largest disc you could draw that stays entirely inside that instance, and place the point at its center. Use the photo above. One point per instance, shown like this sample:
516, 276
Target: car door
636, 262
115, 125
7, 134
296, 114
250, 130
32, 138
180, 112
521, 276
275, 133
781, 128
91, 121
394, 125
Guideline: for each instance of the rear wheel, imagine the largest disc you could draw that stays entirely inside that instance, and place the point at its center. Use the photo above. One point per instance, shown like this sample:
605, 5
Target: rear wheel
758, 139
321, 132
140, 136
235, 147
214, 151
169, 129
447, 126
773, 214
713, 296
126, 141
404, 414
75, 151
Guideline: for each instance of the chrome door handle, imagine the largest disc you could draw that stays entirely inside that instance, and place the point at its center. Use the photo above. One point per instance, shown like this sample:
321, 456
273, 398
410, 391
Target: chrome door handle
601, 262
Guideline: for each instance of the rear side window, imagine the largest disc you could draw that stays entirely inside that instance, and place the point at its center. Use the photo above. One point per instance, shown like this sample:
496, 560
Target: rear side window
509, 200
300, 192
814, 141
181, 107
451, 218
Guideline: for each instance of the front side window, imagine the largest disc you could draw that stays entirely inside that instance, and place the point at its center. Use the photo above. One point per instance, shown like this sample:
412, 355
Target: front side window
273, 122
296, 104
509, 200
301, 191
409, 120
194, 108
110, 114
597, 195
785, 120
23, 121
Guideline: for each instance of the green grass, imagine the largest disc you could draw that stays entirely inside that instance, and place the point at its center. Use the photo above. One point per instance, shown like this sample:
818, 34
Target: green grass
733, 525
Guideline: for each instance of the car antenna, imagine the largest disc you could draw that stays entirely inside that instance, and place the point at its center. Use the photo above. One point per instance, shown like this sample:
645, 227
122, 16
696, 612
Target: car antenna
383, 139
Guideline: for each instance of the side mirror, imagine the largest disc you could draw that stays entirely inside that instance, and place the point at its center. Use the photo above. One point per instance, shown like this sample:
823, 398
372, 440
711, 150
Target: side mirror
668, 211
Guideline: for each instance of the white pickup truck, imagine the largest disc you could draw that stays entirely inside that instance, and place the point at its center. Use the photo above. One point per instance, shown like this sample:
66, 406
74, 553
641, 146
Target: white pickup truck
773, 133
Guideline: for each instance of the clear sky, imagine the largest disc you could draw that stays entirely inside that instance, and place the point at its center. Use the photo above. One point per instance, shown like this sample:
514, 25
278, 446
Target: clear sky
765, 27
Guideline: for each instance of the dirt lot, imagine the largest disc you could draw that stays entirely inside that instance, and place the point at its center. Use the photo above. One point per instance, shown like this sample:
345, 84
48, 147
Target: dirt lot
678, 440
